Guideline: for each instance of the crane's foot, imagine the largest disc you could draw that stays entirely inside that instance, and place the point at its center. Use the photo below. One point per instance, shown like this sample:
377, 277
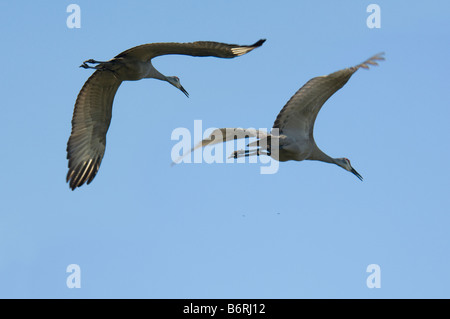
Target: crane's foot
246, 153
92, 61
85, 66
101, 64
237, 154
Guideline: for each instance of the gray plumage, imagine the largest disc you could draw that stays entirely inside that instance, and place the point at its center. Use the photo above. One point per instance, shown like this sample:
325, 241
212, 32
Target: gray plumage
93, 107
294, 123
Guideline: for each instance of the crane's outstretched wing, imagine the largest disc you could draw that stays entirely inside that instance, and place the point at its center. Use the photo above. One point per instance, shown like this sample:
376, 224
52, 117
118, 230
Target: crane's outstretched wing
90, 122
222, 135
299, 114
146, 52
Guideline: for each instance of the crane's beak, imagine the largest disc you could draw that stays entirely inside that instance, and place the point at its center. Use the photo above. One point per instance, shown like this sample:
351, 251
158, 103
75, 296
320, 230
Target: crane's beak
183, 90
356, 174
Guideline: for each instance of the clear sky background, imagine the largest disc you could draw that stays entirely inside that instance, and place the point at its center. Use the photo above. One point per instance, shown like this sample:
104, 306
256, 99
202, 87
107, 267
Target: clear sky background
144, 229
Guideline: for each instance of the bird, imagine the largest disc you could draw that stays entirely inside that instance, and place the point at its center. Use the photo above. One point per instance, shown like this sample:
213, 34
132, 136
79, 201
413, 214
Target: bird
294, 125
93, 106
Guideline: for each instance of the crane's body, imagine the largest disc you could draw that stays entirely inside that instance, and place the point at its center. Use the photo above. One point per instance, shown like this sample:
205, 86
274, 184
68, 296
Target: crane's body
294, 126
93, 107
127, 69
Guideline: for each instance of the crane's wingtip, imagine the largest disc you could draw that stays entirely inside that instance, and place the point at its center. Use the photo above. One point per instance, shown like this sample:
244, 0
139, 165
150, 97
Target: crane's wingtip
258, 43
370, 61
379, 56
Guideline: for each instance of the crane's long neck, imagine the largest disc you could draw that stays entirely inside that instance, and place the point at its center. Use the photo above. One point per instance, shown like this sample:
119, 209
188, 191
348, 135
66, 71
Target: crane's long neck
318, 155
155, 74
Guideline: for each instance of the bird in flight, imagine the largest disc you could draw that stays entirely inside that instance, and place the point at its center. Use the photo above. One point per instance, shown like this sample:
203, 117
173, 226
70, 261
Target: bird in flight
294, 125
93, 107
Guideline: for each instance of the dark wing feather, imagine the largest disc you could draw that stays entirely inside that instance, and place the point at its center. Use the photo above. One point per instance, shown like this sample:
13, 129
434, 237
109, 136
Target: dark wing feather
299, 114
90, 122
146, 52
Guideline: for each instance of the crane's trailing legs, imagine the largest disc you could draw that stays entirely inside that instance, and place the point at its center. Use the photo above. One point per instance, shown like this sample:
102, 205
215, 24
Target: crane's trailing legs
92, 61
247, 153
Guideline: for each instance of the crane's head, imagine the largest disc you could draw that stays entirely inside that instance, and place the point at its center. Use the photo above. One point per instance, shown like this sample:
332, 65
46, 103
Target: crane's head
175, 81
345, 164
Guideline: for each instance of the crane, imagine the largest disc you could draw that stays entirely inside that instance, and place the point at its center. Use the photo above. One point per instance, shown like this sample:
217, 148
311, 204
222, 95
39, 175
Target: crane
294, 124
93, 106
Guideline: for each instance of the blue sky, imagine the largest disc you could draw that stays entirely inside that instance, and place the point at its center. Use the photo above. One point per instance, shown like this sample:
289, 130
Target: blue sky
144, 229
